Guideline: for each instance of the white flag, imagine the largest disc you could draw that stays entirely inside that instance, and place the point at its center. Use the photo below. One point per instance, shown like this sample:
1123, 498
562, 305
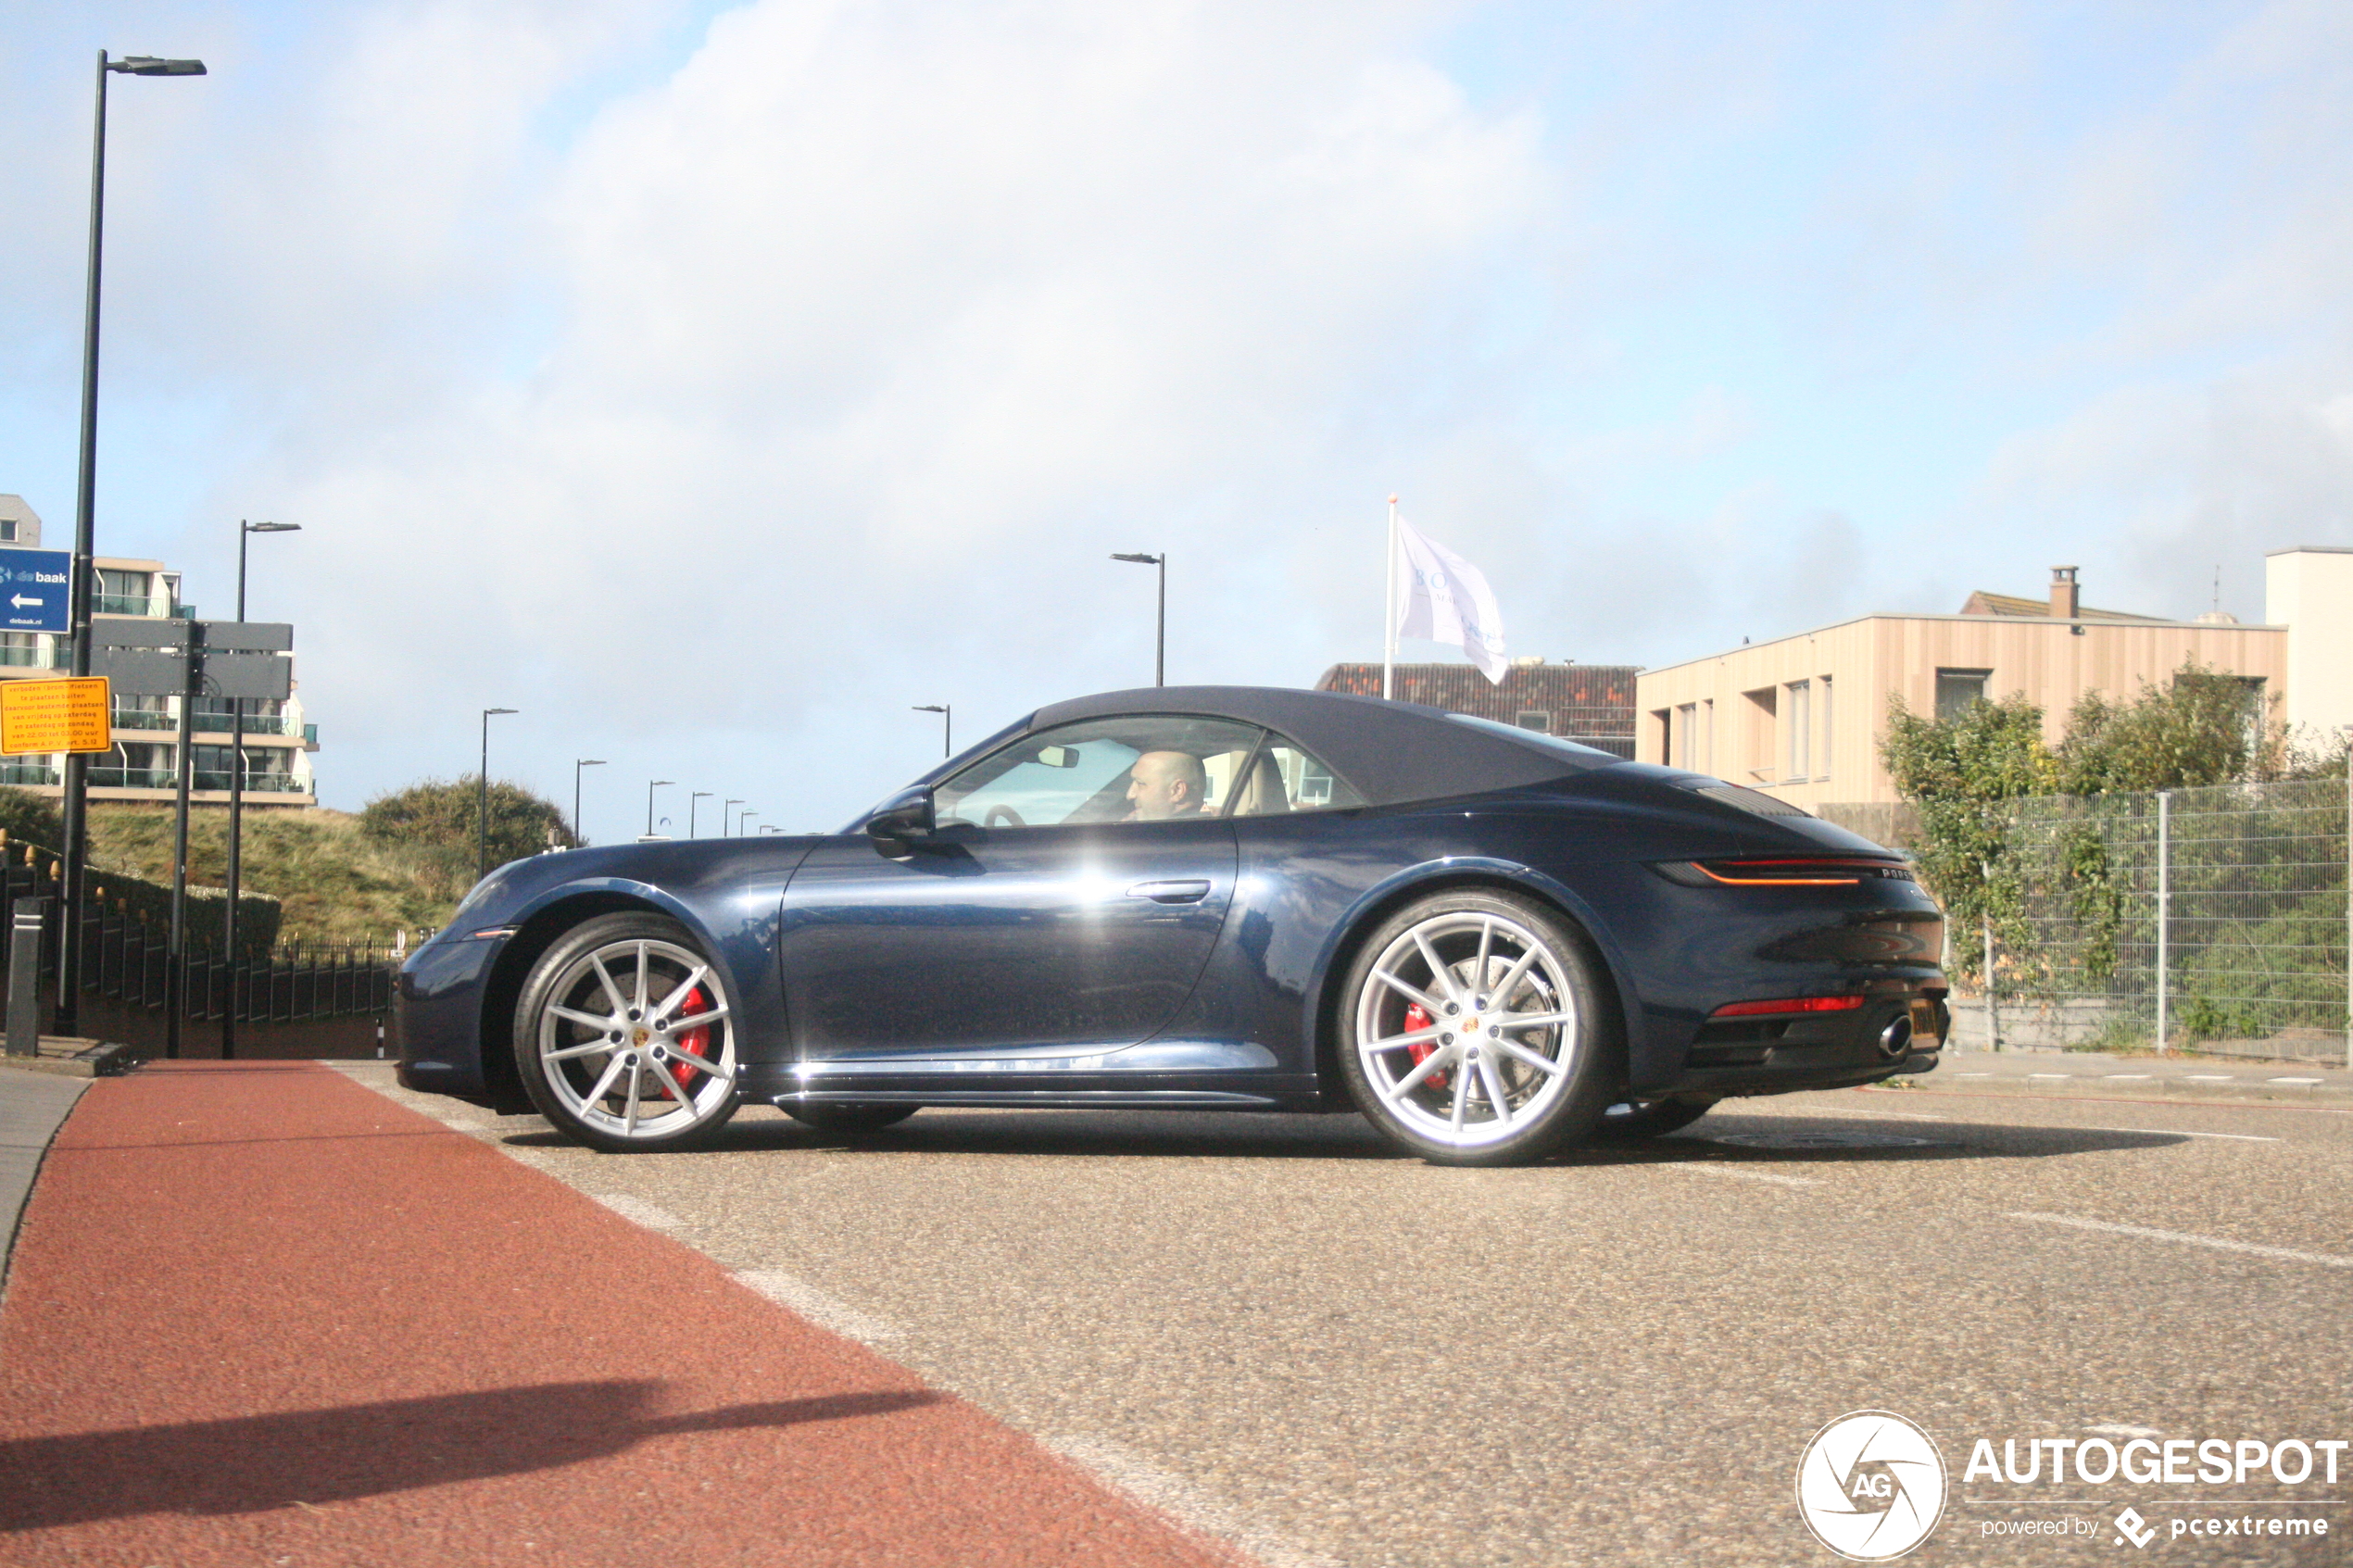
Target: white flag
1447, 600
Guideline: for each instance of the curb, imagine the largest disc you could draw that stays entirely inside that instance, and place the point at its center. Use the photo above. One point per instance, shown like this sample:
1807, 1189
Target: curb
96, 1059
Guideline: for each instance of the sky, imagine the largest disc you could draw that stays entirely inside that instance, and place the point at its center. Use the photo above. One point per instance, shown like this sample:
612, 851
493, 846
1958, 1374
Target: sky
715, 383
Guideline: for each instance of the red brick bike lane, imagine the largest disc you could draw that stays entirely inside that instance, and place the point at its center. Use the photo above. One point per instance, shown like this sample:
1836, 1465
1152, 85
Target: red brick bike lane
260, 1314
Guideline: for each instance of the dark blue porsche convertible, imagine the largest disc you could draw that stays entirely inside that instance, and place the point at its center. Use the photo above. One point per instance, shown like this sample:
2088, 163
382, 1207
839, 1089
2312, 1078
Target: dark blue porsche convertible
1490, 943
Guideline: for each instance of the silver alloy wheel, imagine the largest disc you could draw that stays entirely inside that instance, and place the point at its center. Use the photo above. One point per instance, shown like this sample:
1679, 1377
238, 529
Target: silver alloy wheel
638, 1040
1496, 1052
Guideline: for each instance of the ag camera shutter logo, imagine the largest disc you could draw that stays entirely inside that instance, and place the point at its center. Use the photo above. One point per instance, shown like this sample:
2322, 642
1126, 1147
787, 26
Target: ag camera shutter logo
1872, 1486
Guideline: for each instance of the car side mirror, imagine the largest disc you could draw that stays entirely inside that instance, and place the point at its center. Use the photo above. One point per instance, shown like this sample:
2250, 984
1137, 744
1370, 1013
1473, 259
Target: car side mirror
902, 824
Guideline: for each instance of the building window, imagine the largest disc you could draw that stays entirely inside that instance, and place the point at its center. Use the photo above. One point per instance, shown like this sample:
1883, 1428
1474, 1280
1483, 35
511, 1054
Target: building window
1686, 738
1955, 689
1828, 708
1533, 719
1707, 722
124, 593
1759, 720
1801, 730
21, 647
7, 531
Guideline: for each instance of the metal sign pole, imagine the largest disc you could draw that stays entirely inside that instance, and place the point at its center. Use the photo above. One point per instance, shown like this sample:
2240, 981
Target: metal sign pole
2164, 909
176, 949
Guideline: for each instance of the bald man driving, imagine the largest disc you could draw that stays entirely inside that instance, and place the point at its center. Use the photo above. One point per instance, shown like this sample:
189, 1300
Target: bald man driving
1166, 783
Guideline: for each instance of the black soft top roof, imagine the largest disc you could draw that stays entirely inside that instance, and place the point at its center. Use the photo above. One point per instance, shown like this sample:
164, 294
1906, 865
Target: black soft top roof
1393, 752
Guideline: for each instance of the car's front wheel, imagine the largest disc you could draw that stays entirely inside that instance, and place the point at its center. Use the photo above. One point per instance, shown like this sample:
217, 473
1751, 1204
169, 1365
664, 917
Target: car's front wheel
1477, 1030
625, 1035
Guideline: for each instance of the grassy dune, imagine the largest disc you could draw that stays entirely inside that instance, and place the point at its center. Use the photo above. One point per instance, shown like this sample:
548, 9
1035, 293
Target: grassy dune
337, 884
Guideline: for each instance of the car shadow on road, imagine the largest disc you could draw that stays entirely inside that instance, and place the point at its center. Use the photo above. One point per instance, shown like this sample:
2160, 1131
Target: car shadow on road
310, 1458
1729, 1136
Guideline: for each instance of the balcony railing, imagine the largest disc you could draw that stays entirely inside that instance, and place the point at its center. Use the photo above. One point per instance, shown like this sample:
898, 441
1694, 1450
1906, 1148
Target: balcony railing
32, 658
26, 773
132, 718
216, 722
203, 779
122, 604
131, 778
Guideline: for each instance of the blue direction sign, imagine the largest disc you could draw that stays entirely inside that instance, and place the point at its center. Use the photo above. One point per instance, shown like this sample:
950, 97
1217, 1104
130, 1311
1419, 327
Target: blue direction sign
32, 590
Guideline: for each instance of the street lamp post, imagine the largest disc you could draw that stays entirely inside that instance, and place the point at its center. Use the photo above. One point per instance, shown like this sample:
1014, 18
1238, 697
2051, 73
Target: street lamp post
699, 795
245, 531
578, 763
77, 776
947, 725
651, 785
482, 834
1159, 633
726, 813
749, 816
741, 818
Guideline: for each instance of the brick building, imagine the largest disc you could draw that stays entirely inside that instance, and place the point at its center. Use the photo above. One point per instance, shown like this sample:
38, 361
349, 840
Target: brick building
1592, 704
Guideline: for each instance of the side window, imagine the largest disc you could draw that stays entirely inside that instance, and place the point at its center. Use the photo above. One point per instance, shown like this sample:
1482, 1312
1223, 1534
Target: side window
1289, 778
1130, 767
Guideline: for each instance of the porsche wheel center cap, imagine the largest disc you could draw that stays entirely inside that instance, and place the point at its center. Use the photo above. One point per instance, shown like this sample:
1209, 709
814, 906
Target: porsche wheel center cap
640, 1034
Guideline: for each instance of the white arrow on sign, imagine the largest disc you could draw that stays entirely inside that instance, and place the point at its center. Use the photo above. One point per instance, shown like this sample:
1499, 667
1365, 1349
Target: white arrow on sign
21, 602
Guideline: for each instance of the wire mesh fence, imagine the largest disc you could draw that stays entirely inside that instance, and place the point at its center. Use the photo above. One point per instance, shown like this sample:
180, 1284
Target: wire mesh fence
2206, 917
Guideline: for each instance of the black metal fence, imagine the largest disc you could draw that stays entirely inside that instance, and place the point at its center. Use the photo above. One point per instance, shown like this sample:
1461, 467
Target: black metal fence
127, 959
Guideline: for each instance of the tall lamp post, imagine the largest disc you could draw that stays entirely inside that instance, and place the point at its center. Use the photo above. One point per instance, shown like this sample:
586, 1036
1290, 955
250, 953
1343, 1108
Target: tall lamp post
1160, 634
482, 834
245, 531
578, 763
947, 725
726, 815
77, 776
751, 817
699, 795
651, 785
741, 818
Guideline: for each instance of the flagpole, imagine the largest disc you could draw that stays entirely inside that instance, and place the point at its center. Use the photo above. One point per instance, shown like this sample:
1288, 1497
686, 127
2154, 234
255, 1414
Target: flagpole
1389, 624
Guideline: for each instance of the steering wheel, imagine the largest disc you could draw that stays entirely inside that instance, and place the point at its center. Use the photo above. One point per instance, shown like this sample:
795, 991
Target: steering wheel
1013, 818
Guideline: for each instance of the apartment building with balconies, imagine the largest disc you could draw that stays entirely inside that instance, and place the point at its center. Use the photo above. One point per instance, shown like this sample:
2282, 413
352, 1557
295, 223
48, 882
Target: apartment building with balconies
278, 737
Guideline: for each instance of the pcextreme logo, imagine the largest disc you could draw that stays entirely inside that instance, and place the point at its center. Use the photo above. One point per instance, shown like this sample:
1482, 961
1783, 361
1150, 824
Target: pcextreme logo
1872, 1486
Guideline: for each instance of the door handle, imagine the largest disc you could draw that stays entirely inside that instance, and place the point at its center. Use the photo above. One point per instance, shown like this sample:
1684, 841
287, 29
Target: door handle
1170, 892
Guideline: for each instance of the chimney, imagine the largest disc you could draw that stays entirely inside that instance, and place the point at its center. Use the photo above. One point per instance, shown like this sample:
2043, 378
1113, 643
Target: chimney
2065, 605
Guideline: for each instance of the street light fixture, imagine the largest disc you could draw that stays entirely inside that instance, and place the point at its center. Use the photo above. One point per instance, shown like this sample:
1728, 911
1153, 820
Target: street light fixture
245, 531
751, 816
77, 776
699, 795
726, 812
1160, 634
651, 785
482, 835
947, 725
742, 817
578, 763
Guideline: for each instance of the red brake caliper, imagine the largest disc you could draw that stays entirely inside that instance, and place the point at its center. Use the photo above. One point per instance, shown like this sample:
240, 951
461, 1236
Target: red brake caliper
1417, 1018
691, 1042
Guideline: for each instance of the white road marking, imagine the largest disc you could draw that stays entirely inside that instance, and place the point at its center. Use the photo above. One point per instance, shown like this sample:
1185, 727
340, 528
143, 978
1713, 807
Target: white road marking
2219, 1243
797, 1295
2112, 1429
2180, 1133
638, 1211
1130, 1473
1742, 1172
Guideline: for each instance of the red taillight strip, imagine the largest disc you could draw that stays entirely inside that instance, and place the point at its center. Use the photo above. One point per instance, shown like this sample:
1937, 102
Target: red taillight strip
1779, 880
1789, 1004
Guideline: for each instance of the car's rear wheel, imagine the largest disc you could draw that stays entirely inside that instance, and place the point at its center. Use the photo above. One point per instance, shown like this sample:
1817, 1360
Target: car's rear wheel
1634, 1120
625, 1035
1476, 1029
849, 1118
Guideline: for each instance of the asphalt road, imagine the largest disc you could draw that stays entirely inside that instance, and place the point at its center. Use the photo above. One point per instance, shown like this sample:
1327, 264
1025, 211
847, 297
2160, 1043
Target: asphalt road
1285, 1336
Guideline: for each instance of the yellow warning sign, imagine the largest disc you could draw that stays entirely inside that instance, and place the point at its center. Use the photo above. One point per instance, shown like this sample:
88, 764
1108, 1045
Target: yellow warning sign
67, 713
